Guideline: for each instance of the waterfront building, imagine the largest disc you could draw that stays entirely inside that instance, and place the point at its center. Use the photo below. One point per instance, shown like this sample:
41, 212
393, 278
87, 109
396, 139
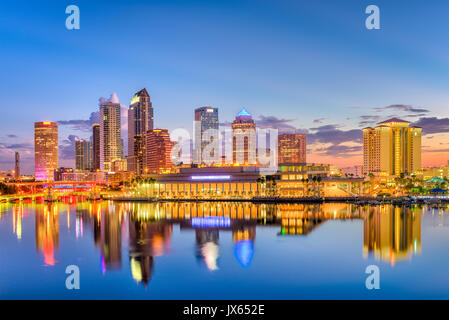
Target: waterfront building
244, 139
140, 120
45, 150
246, 182
58, 173
392, 148
335, 171
291, 148
117, 178
158, 148
83, 155
440, 172
315, 180
96, 146
206, 118
7, 175
355, 171
71, 176
110, 133
207, 182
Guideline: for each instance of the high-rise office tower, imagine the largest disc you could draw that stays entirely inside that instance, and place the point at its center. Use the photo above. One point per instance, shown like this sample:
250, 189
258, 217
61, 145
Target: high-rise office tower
206, 118
17, 166
244, 139
392, 148
158, 151
140, 120
83, 155
45, 150
110, 133
292, 148
96, 146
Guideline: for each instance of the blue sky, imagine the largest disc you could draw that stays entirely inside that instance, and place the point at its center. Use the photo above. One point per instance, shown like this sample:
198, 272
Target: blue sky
310, 65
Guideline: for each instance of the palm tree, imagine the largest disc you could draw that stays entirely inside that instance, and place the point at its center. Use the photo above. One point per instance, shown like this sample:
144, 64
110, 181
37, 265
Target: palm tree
319, 179
314, 178
260, 184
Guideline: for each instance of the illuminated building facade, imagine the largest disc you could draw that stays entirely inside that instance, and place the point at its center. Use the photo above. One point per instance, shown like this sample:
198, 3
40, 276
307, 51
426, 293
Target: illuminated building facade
45, 150
392, 148
119, 165
140, 120
71, 176
296, 180
58, 174
440, 172
96, 146
244, 139
206, 118
291, 148
158, 148
206, 182
83, 155
110, 131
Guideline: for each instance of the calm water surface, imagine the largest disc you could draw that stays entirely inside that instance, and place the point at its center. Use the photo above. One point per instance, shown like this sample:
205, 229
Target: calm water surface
222, 251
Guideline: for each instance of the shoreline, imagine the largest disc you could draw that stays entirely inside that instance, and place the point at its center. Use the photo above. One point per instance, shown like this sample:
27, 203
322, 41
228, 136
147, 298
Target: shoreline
305, 200
362, 200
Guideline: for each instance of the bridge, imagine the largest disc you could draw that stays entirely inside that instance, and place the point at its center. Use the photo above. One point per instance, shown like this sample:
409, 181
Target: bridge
54, 191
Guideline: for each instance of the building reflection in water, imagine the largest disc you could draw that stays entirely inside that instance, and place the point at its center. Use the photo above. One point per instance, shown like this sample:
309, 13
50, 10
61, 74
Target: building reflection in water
391, 233
243, 239
109, 237
147, 239
207, 249
47, 232
17, 215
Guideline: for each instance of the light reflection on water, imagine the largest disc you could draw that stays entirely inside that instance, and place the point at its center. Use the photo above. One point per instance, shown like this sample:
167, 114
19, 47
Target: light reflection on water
239, 250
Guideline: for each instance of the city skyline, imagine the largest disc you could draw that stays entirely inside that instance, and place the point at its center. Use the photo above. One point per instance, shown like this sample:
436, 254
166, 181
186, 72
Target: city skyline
367, 77
282, 130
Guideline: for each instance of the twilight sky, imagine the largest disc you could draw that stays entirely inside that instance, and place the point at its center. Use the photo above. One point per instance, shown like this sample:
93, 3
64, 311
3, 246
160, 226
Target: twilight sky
310, 66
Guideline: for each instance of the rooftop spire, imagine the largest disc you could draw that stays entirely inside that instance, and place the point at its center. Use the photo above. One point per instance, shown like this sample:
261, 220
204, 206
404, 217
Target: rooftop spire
243, 113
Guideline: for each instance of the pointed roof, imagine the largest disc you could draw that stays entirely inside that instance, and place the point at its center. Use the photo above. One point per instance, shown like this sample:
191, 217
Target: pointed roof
243, 113
137, 95
394, 120
143, 93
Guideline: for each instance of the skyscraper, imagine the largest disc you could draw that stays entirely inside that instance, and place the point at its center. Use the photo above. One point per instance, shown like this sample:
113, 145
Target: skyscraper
140, 120
17, 166
392, 148
110, 132
205, 118
45, 150
292, 148
244, 139
83, 155
96, 146
158, 148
